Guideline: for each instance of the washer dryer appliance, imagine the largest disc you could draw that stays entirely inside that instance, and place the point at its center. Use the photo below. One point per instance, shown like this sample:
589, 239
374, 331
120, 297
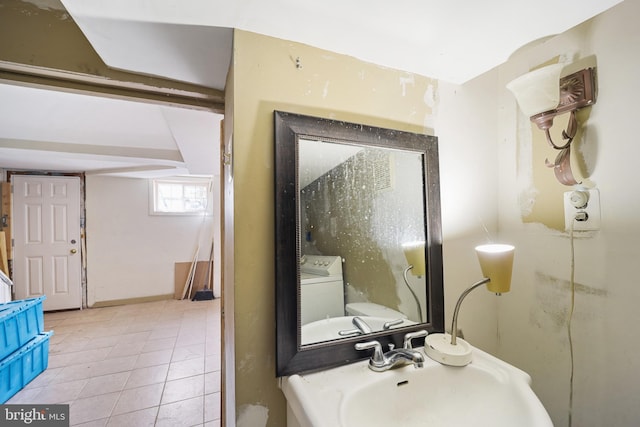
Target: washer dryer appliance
321, 287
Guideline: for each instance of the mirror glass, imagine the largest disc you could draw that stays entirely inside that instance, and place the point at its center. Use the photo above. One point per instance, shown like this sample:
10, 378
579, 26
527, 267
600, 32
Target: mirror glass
358, 239
361, 208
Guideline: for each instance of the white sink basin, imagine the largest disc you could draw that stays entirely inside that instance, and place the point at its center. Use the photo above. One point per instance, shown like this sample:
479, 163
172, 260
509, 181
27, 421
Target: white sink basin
487, 392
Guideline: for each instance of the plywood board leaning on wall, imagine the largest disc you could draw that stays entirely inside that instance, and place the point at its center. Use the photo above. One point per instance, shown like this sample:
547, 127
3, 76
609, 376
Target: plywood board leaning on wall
199, 279
4, 263
5, 216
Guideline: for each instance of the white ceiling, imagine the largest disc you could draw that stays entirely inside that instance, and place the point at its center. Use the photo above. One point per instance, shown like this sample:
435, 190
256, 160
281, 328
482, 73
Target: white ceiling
67, 132
451, 40
191, 41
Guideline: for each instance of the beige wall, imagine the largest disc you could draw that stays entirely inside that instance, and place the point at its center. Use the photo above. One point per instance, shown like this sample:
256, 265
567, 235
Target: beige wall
328, 85
130, 253
491, 176
48, 38
533, 323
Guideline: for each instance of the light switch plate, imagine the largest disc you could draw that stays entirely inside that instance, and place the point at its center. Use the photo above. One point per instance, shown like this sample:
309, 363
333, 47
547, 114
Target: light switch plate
592, 211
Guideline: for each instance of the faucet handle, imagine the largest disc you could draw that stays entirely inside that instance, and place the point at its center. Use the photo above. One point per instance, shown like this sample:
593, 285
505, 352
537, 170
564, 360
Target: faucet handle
349, 332
388, 325
411, 335
377, 356
361, 325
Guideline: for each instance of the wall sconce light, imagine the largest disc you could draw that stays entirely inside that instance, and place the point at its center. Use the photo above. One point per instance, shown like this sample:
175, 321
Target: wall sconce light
496, 262
542, 95
414, 253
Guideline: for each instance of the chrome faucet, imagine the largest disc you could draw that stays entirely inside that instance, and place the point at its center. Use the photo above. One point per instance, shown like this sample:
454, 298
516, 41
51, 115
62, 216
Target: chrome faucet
384, 361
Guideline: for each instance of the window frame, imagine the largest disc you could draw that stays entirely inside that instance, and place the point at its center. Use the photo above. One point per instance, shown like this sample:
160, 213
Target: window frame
184, 181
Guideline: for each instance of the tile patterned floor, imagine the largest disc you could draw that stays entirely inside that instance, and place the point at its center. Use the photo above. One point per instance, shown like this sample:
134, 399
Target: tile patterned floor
136, 365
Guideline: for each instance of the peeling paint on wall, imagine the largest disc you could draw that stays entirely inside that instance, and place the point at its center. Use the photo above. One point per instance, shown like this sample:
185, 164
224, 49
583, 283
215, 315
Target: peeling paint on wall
552, 295
248, 362
526, 200
47, 5
404, 81
325, 89
252, 416
527, 196
565, 285
587, 147
430, 96
431, 100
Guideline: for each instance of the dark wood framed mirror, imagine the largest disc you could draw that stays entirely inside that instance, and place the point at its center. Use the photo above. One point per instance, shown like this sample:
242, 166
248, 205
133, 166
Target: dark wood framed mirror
358, 236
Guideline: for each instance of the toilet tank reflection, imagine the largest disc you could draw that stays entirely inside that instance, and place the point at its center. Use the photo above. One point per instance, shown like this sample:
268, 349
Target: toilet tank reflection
326, 314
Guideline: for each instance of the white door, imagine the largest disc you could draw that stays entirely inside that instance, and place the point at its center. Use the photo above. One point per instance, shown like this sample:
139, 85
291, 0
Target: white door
46, 233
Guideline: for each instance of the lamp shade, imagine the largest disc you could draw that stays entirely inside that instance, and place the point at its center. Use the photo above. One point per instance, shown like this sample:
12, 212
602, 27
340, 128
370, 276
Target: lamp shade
496, 262
539, 90
414, 253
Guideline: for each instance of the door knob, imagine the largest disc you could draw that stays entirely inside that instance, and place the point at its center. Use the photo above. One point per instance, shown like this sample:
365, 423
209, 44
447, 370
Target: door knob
73, 251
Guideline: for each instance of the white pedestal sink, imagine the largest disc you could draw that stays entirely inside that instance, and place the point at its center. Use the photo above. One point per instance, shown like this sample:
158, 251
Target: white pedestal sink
488, 392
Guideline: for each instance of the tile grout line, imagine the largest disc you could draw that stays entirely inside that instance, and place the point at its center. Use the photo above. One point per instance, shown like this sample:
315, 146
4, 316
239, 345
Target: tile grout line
185, 320
166, 378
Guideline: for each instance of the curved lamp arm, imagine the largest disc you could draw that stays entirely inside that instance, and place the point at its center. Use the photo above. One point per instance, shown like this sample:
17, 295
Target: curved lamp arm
454, 323
415, 297
544, 122
562, 164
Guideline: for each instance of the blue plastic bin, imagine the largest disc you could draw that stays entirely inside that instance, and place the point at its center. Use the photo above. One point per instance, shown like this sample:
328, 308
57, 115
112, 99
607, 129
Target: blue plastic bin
20, 322
21, 367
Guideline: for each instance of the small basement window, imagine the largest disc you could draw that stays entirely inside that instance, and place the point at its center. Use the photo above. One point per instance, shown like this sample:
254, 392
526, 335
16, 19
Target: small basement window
180, 196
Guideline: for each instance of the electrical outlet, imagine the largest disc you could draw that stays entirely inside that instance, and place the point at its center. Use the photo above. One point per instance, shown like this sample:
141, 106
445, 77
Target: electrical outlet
583, 208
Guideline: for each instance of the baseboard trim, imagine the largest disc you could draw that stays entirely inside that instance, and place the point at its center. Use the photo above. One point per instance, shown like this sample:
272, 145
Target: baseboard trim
126, 301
